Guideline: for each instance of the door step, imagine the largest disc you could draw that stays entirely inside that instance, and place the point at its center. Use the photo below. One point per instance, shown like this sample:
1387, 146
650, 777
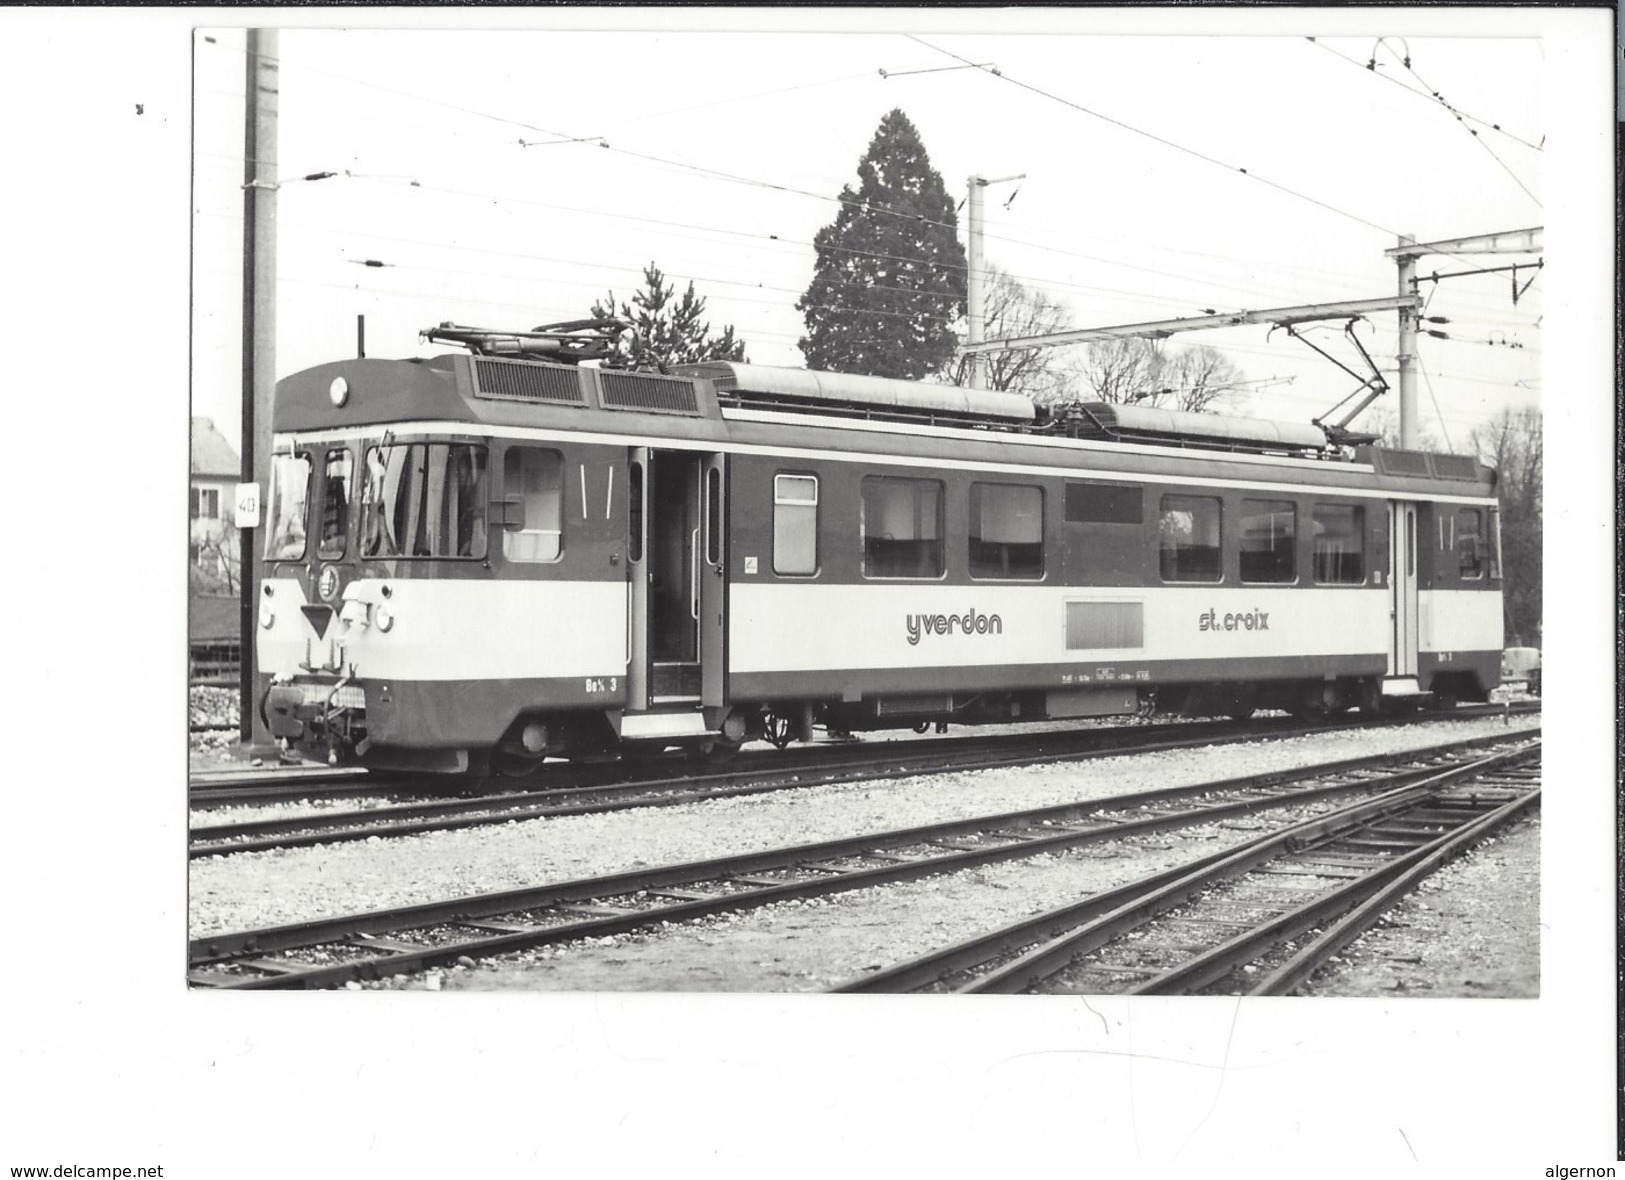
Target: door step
648, 726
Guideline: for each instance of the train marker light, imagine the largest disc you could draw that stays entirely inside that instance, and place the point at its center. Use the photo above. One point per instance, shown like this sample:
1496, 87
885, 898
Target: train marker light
384, 618
266, 616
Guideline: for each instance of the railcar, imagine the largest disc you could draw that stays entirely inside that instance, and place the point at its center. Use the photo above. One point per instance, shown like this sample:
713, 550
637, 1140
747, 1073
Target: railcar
477, 561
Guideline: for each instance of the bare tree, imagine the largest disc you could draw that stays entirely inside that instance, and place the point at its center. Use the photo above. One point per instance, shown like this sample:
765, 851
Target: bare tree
1012, 309
1122, 370
1514, 444
216, 557
1196, 377
1130, 369
1383, 421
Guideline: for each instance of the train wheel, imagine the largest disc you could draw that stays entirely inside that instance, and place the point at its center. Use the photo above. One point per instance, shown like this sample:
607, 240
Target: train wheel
716, 751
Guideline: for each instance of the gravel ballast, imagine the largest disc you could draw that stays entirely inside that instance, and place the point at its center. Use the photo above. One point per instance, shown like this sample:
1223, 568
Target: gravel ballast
259, 889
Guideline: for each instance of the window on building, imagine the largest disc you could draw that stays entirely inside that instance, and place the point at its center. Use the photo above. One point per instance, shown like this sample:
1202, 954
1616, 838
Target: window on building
1466, 529
1338, 556
205, 503
424, 500
1006, 531
1188, 538
533, 485
795, 524
1104, 503
337, 492
901, 527
290, 500
1269, 539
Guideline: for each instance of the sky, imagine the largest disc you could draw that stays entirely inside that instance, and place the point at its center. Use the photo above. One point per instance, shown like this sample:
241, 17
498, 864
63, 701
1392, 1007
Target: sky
726, 150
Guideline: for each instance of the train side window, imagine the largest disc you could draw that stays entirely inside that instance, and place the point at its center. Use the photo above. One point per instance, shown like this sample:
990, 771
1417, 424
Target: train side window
337, 493
1495, 543
535, 478
1338, 556
713, 515
900, 523
1006, 531
1188, 538
1466, 528
290, 498
1269, 541
795, 524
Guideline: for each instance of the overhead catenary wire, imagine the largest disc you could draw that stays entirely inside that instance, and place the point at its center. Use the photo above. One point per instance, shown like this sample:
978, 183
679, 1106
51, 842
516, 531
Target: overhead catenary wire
1203, 156
1406, 61
1422, 94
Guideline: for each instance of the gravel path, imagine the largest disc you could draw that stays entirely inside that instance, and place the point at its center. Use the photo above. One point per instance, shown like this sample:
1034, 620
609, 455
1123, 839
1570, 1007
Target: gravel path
257, 889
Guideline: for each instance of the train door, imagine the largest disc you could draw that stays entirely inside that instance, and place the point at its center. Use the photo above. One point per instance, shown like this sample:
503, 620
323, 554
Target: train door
1402, 582
676, 568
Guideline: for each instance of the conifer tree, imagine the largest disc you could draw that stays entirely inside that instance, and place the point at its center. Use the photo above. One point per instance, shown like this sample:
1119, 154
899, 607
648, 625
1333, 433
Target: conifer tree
670, 331
889, 280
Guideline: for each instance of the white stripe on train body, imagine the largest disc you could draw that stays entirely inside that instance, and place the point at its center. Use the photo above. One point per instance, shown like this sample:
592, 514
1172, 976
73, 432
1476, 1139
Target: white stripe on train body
461, 629
801, 628
1459, 621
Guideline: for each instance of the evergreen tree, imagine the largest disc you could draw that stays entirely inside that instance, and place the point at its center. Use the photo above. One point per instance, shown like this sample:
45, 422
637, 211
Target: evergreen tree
670, 331
889, 280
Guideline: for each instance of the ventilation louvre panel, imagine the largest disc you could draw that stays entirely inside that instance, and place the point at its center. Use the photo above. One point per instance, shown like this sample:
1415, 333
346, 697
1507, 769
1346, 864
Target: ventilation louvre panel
510, 381
1405, 462
648, 394
1455, 467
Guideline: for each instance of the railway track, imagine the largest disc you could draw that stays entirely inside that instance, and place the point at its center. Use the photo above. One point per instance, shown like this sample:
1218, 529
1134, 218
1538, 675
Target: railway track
1236, 922
378, 944
583, 790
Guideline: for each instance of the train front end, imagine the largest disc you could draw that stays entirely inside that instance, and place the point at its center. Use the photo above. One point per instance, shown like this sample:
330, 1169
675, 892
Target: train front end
376, 517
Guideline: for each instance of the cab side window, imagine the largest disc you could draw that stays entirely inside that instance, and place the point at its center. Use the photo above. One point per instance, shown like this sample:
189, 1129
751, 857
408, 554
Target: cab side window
1466, 538
533, 485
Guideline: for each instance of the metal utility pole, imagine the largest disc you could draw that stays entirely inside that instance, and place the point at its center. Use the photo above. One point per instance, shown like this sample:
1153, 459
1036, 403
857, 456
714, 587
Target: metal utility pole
975, 274
1515, 241
1408, 434
259, 338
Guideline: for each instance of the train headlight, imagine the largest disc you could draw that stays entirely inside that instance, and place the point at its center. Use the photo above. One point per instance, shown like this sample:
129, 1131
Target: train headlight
266, 616
384, 618
339, 392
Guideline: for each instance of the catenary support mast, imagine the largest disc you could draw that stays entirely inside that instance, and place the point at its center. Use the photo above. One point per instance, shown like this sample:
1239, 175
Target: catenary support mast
259, 339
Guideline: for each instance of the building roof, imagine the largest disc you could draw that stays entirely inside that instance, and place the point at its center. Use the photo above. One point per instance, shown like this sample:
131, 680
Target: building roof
213, 455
